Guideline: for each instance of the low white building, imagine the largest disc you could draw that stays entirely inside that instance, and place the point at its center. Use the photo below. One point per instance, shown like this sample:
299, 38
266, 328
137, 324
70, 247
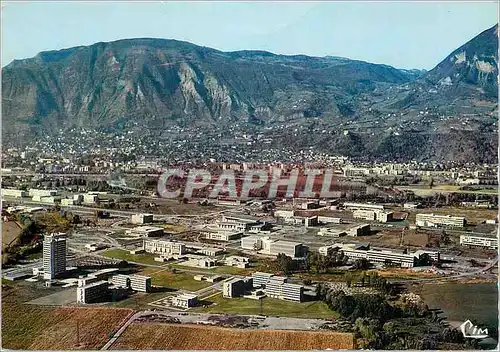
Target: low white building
15, 193
237, 261
184, 300
431, 220
479, 241
164, 247
141, 218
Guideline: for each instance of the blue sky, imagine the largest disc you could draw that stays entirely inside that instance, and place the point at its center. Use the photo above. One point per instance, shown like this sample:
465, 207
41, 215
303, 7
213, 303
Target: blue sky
401, 34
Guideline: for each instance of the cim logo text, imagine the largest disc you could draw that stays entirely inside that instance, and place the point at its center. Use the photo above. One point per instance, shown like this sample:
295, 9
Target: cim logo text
472, 331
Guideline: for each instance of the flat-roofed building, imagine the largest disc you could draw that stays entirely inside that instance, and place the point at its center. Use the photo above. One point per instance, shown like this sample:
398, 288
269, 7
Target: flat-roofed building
329, 220
121, 280
363, 206
360, 230
223, 235
42, 192
233, 226
431, 220
90, 198
331, 232
387, 257
210, 251
479, 241
434, 255
237, 261
327, 250
236, 287
278, 287
364, 214
384, 216
260, 279
135, 282
184, 300
141, 218
140, 283
54, 255
411, 205
251, 242
91, 292
15, 193
291, 249
164, 247
283, 213
145, 231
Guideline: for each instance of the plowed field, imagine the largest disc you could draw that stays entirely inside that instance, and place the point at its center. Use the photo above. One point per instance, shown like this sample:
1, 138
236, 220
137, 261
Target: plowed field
194, 337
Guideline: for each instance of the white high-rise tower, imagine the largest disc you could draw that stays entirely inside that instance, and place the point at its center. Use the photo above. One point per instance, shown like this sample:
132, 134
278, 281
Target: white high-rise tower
54, 255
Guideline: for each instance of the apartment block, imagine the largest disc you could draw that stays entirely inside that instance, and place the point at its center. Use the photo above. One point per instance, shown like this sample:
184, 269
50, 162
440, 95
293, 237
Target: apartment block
278, 287
361, 230
431, 220
164, 247
140, 283
236, 287
370, 215
479, 241
135, 282
260, 279
54, 255
92, 292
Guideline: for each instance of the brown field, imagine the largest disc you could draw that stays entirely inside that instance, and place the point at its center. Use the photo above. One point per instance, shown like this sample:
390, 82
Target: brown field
10, 230
42, 328
194, 337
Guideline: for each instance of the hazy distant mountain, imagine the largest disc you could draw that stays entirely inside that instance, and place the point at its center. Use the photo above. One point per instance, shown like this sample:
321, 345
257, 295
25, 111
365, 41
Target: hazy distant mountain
157, 82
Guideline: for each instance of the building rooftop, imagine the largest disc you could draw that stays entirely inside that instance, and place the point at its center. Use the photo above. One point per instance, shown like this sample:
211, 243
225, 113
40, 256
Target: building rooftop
96, 283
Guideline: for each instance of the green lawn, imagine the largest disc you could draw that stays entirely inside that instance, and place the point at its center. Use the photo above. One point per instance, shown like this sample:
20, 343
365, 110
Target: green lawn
176, 281
125, 255
270, 306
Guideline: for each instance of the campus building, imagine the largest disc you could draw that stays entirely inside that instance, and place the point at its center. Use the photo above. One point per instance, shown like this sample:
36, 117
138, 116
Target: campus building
88, 292
164, 247
237, 287
479, 241
145, 231
135, 282
270, 246
184, 300
141, 218
54, 255
431, 220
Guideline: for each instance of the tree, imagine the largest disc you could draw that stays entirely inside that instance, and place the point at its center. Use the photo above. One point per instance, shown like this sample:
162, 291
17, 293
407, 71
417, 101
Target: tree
361, 264
285, 263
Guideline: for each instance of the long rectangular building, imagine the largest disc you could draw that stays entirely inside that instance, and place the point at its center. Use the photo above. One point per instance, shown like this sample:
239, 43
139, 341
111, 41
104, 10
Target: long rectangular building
363, 206
164, 247
91, 292
431, 220
478, 241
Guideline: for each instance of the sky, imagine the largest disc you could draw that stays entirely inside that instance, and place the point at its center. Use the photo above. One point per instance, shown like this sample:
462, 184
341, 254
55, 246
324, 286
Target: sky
401, 34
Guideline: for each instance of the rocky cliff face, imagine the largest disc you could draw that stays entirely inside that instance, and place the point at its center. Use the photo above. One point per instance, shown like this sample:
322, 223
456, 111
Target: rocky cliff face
150, 79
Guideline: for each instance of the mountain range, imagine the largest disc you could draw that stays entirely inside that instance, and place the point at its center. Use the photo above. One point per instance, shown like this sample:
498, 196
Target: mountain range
447, 113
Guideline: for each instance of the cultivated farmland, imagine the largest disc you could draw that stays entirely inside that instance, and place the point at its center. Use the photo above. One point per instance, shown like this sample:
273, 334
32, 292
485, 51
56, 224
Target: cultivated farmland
194, 337
26, 326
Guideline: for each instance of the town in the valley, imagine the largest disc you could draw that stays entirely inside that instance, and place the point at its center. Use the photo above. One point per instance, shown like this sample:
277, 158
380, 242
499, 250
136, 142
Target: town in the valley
81, 237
